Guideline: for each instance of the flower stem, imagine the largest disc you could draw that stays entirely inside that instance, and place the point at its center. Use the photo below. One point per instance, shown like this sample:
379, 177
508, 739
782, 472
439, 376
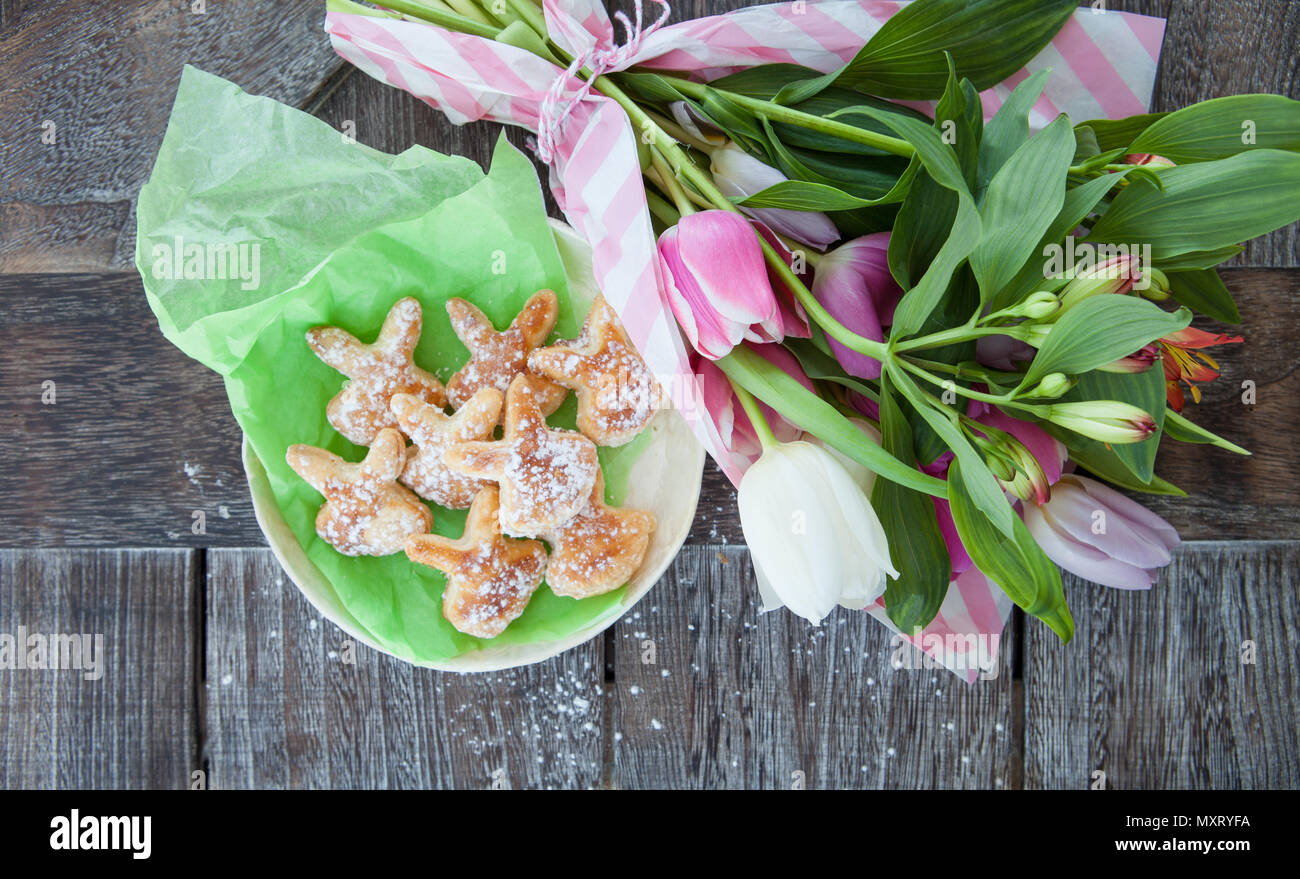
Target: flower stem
780, 113
935, 380
668, 180
956, 334
426, 11
762, 429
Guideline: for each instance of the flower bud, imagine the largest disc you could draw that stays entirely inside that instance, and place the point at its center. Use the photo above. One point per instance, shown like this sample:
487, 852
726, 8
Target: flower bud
1115, 275
1149, 160
1157, 289
739, 175
1039, 305
1108, 421
717, 282
1054, 384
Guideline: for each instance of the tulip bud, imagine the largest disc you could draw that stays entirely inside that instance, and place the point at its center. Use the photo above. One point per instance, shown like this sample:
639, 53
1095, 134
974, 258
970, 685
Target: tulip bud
1126, 555
717, 283
1108, 421
1054, 384
1115, 275
739, 175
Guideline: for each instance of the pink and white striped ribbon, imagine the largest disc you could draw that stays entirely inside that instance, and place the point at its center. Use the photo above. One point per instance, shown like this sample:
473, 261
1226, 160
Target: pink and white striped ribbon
1103, 65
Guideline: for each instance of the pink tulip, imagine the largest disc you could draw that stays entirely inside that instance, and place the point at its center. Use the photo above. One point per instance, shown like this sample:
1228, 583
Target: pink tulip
717, 282
1097, 533
853, 283
794, 320
732, 424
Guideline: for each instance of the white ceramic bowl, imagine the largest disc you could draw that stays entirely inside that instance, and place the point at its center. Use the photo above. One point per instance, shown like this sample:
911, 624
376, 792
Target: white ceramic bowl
665, 481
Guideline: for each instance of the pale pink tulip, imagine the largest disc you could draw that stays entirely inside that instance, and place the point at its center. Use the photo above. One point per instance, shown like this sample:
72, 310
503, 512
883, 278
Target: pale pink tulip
1095, 532
739, 175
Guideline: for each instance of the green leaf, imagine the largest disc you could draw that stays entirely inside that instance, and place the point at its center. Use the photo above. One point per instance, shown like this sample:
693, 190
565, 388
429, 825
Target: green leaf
801, 195
1008, 129
804, 89
1022, 200
810, 412
1204, 291
1218, 128
916, 545
1085, 144
1078, 204
1146, 390
989, 40
983, 487
926, 216
1198, 259
1179, 427
1117, 134
762, 82
650, 87
1105, 464
941, 163
1014, 562
1101, 330
1207, 205
820, 365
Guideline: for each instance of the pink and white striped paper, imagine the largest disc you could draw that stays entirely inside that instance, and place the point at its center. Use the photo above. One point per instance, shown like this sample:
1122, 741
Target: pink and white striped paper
1103, 65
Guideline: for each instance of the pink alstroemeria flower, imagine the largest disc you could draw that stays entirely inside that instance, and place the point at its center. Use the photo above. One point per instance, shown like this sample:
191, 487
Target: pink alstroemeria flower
853, 283
1097, 533
1047, 455
717, 282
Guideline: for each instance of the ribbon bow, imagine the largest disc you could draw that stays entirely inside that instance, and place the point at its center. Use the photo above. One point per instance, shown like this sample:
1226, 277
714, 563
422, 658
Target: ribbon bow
560, 100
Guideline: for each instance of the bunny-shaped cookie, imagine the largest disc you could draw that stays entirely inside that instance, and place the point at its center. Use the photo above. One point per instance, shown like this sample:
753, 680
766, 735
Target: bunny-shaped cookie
376, 371
365, 511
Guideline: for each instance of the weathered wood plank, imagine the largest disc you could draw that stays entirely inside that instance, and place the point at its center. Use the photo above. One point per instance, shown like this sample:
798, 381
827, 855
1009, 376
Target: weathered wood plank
129, 438
285, 709
709, 694
1155, 691
133, 726
86, 97
155, 432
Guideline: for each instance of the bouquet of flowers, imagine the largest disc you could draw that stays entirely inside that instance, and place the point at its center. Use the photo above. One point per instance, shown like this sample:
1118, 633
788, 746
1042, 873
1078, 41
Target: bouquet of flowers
904, 299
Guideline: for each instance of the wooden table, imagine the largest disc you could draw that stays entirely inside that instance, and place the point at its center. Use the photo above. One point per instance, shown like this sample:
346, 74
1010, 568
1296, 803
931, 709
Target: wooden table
216, 664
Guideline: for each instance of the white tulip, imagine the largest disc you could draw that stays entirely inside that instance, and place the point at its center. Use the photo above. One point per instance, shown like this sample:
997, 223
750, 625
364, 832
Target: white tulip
866, 479
813, 536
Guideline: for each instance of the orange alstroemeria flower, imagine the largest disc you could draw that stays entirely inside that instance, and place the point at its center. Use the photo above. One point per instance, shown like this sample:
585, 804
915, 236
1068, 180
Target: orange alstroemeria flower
1186, 362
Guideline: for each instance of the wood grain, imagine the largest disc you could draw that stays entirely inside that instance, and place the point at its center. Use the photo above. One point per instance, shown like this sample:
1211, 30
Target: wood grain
1154, 692
104, 75
285, 709
137, 438
134, 727
708, 693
